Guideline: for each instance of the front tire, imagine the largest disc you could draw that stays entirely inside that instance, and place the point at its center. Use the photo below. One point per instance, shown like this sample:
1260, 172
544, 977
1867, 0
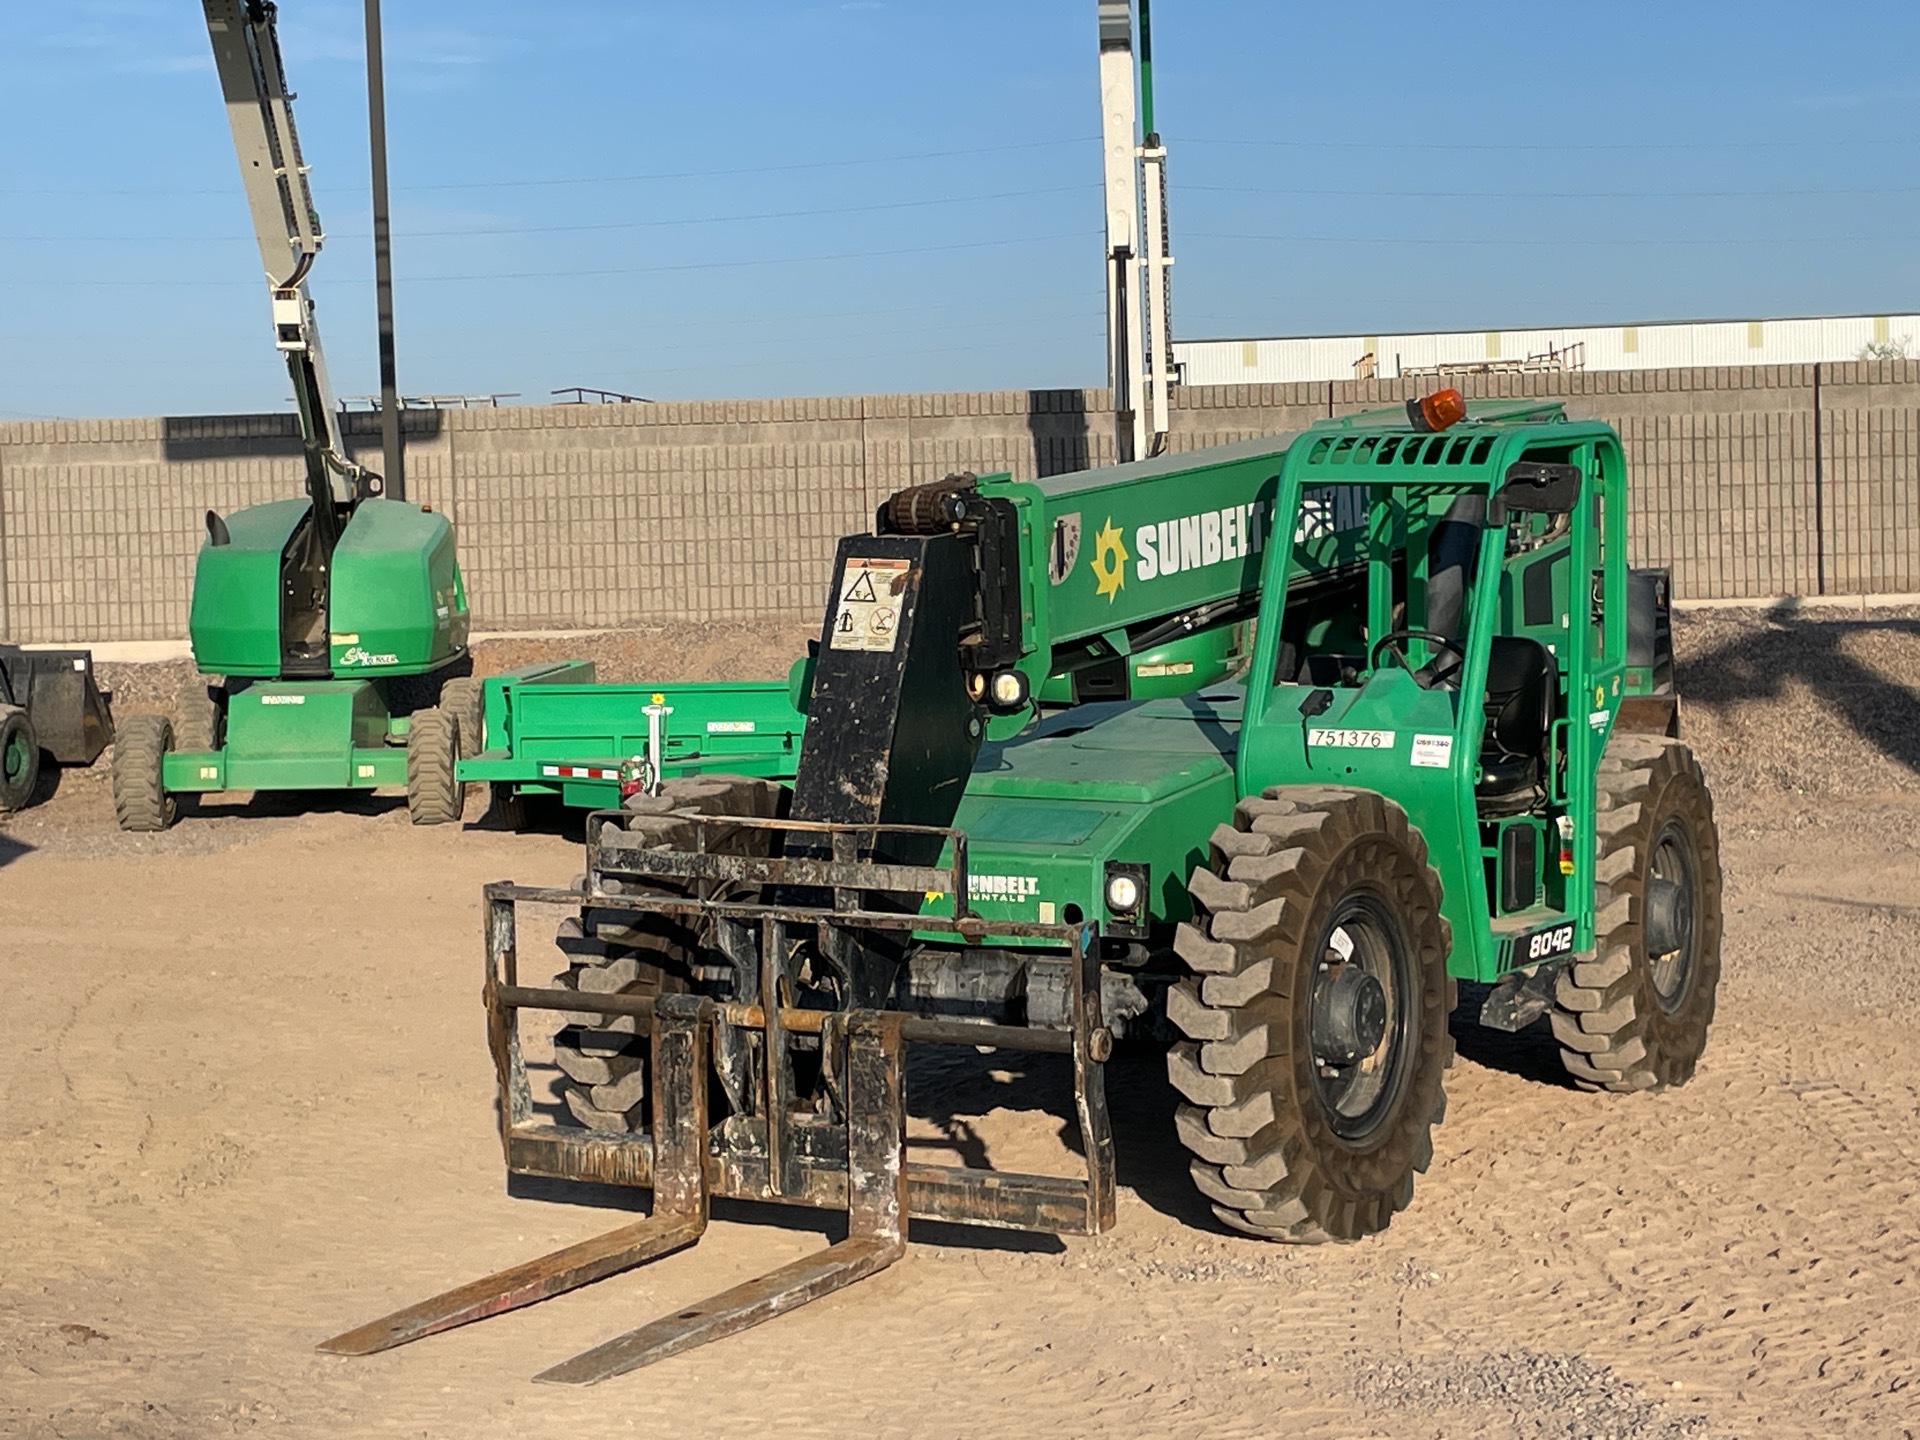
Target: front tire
140, 799
19, 759
1636, 1016
1317, 1016
434, 793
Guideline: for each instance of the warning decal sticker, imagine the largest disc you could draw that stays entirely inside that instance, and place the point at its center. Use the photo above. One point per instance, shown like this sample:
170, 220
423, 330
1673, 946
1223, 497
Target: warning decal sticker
871, 594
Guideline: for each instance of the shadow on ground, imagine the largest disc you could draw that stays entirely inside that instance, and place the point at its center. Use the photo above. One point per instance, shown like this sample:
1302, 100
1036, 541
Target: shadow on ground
1756, 663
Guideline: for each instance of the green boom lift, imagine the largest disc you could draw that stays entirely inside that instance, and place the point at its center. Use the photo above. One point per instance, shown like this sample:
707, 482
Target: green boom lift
336, 622
1454, 757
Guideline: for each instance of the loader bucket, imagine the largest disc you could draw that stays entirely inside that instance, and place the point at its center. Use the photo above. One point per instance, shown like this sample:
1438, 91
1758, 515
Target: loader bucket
822, 882
62, 699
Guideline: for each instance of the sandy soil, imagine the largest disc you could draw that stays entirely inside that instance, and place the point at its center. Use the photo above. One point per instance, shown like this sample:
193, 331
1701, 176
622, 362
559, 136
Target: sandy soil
247, 1104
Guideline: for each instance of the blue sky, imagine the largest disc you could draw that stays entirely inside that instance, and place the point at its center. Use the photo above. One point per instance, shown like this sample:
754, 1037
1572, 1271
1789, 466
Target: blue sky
729, 198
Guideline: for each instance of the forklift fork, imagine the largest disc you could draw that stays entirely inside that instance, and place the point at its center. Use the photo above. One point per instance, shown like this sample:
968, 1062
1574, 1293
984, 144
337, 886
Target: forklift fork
773, 1152
876, 1213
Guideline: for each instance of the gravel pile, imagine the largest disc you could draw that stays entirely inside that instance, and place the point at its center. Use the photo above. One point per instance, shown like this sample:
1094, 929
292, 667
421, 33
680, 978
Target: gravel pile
1814, 702
1544, 1397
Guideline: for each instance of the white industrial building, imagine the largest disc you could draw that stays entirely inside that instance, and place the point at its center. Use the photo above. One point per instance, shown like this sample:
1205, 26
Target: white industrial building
1657, 346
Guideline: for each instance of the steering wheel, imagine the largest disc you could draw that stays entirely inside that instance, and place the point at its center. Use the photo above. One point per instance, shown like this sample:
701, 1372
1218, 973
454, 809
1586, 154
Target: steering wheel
1394, 643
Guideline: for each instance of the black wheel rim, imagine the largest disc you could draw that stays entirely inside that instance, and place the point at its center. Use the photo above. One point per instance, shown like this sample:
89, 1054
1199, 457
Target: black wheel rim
1672, 888
1358, 1095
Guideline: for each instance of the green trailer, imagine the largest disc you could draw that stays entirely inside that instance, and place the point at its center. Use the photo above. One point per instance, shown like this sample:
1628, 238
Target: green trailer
550, 733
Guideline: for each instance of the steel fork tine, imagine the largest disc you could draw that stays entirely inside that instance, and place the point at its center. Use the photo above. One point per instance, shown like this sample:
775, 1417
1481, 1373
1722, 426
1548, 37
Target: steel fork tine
680, 1202
876, 1223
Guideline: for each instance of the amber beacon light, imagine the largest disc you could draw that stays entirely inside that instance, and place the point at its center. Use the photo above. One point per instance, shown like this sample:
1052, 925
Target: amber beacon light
1438, 410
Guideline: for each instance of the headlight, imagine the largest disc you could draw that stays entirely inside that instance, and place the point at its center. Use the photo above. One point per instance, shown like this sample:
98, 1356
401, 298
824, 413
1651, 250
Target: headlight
1009, 690
1123, 894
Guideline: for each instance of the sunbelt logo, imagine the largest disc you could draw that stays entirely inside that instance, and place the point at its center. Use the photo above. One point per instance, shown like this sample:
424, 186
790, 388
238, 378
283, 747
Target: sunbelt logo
1189, 542
1214, 537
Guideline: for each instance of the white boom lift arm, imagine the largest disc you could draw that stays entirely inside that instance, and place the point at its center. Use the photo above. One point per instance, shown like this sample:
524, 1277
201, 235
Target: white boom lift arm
246, 53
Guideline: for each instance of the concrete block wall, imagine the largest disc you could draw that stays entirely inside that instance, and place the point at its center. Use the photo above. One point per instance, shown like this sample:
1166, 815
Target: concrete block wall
1749, 482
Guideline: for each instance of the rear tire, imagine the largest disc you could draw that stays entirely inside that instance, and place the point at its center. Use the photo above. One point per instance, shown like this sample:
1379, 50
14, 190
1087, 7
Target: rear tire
19, 759
1316, 1015
140, 799
460, 697
1635, 1017
434, 793
508, 806
202, 720
606, 1057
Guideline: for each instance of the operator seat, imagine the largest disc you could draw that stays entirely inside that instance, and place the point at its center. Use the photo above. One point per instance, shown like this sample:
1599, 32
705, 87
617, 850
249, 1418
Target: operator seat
1522, 681
1453, 555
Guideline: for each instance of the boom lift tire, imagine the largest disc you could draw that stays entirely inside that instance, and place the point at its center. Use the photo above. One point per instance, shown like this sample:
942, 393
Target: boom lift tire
140, 799
508, 806
19, 758
434, 793
202, 720
605, 1057
460, 697
1636, 1017
1316, 930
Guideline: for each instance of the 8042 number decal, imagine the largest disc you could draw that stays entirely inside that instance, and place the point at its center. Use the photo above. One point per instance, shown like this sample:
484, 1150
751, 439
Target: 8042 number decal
1548, 944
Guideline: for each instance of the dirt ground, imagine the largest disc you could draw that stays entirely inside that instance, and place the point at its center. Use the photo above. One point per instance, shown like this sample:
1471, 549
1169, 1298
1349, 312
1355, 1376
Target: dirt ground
247, 1103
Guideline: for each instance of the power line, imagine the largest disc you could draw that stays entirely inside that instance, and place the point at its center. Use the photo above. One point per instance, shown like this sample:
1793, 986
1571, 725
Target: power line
1182, 142
1281, 192
598, 225
816, 344
1272, 192
1558, 241
337, 280
553, 180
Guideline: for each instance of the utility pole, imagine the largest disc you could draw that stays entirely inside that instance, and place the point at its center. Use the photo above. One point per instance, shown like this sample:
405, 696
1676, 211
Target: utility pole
1139, 312
395, 459
1156, 257
1126, 355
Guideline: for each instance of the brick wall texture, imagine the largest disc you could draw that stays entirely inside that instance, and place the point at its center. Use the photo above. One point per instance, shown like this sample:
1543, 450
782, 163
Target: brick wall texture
1748, 482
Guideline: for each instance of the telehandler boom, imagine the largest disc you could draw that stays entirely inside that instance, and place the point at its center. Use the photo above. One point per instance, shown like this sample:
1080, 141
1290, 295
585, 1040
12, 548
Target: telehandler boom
1452, 756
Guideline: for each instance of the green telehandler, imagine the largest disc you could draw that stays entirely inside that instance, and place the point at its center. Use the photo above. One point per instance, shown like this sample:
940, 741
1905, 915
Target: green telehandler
337, 621
1454, 757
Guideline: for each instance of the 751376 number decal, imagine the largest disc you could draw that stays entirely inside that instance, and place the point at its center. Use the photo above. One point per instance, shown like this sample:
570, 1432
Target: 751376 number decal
1351, 739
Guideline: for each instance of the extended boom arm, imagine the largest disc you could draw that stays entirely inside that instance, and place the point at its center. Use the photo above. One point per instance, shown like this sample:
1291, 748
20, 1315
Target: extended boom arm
246, 52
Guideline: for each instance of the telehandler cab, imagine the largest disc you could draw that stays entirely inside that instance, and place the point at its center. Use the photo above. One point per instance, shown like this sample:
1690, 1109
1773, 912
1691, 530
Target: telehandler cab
1454, 757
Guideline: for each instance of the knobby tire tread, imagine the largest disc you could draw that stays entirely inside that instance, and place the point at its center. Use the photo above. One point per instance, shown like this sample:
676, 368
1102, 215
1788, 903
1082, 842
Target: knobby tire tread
140, 800
1262, 1150
1613, 1032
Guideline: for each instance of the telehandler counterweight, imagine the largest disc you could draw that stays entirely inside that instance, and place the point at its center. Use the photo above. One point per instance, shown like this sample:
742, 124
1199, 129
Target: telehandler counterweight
1453, 755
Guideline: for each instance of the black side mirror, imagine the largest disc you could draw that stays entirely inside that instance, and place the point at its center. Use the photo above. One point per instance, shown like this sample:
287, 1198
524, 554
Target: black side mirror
1536, 487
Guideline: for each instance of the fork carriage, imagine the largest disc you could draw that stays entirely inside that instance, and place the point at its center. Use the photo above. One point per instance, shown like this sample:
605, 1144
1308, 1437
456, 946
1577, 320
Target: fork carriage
821, 1119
